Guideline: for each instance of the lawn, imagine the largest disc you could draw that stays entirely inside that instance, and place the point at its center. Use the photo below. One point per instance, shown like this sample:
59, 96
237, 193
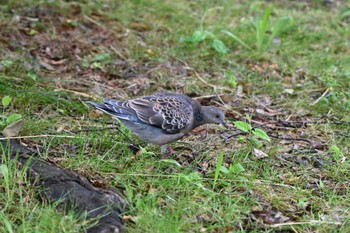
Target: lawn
277, 68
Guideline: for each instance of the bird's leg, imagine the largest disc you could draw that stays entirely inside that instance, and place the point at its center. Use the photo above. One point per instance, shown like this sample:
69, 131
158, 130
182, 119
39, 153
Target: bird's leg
166, 150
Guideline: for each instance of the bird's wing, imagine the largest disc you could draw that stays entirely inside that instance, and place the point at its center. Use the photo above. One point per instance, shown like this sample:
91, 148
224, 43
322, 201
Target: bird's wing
171, 113
118, 109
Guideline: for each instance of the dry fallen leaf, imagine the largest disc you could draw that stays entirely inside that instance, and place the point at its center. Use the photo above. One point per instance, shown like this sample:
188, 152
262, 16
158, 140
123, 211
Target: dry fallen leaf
12, 130
95, 114
139, 26
289, 91
269, 216
239, 92
259, 153
129, 218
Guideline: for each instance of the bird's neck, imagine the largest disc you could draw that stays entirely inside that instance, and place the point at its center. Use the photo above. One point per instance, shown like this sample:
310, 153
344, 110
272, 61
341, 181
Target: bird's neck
198, 118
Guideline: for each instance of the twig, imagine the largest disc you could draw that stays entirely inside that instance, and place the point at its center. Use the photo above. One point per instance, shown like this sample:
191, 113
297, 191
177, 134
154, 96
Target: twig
299, 139
103, 85
92, 129
104, 27
76, 92
207, 96
39, 136
262, 182
321, 97
305, 223
124, 58
293, 139
93, 21
222, 102
234, 135
202, 80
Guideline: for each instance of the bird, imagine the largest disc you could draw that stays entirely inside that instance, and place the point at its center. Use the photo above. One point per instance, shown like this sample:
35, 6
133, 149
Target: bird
161, 118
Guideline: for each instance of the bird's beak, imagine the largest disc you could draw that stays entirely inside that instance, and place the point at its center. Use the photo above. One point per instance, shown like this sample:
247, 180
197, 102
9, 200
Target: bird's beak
225, 124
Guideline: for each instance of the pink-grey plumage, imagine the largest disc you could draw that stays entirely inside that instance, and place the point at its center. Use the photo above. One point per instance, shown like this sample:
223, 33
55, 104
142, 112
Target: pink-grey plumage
161, 118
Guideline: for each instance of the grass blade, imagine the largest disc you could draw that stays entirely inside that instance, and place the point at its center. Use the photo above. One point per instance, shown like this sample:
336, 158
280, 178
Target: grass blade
6, 223
219, 46
230, 34
218, 168
282, 25
261, 26
266, 19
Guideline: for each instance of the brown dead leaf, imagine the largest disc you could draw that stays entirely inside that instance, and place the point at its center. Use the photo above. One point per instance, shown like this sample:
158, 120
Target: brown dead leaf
138, 85
259, 153
63, 127
226, 98
95, 114
204, 218
239, 92
268, 216
129, 218
97, 183
289, 80
265, 113
264, 99
150, 52
13, 129
139, 26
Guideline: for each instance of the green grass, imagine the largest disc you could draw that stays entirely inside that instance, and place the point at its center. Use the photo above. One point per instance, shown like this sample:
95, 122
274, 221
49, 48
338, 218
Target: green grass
20, 209
122, 50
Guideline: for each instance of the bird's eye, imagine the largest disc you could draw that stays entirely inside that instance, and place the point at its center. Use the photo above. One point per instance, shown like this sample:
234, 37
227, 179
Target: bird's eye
217, 116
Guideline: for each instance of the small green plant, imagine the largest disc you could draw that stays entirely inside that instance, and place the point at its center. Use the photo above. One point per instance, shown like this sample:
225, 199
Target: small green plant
253, 134
7, 63
231, 79
6, 100
336, 152
31, 75
145, 151
264, 31
233, 169
98, 61
303, 202
170, 161
201, 35
192, 178
236, 168
6, 120
321, 184
102, 57
345, 13
33, 32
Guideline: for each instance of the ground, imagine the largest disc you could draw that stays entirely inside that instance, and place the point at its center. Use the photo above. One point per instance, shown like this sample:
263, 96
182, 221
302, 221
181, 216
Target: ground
282, 67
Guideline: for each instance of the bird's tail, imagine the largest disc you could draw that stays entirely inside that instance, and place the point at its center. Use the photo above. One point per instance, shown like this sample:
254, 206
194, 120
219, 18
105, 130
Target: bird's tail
113, 110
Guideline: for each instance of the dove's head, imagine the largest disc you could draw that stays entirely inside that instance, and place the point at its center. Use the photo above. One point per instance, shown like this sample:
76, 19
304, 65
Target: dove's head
213, 115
